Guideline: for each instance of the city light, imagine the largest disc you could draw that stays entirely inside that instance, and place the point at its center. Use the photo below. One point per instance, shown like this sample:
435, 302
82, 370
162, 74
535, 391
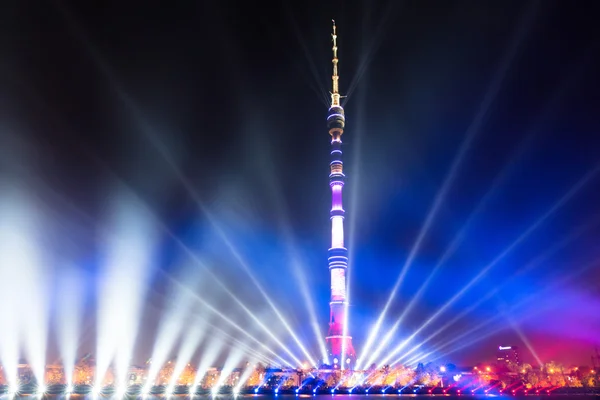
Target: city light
146, 273
42, 389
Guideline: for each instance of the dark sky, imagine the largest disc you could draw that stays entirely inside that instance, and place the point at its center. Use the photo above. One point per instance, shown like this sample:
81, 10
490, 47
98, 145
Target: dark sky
486, 113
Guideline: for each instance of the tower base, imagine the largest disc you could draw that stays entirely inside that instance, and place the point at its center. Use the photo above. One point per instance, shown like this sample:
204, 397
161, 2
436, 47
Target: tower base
338, 344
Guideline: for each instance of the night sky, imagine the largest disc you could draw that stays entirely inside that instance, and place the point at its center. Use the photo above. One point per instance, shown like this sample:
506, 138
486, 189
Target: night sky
211, 116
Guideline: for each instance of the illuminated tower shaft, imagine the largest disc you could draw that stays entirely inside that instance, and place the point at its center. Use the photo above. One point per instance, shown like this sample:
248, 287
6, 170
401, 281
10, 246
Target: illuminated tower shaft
339, 343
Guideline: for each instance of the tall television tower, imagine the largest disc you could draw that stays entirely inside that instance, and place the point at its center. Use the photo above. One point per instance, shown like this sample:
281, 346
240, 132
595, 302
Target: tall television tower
339, 342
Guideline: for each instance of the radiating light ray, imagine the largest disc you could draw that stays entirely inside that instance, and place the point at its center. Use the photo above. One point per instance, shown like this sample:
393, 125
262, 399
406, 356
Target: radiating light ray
70, 309
523, 338
35, 322
21, 273
536, 262
472, 132
189, 187
198, 262
492, 331
189, 344
11, 244
197, 298
297, 267
230, 364
213, 348
263, 292
321, 93
243, 379
171, 327
481, 335
158, 145
484, 324
453, 246
367, 56
127, 257
415, 359
308, 300
243, 346
458, 239
352, 221
556, 206
218, 313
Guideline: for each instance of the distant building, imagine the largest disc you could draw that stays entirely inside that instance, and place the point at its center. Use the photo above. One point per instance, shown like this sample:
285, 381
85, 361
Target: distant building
508, 355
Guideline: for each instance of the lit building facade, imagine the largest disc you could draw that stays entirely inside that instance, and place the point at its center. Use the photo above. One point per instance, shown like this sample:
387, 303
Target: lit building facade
508, 355
339, 342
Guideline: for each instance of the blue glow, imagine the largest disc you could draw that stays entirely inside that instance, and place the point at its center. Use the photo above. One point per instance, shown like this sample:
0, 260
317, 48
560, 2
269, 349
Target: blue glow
393, 197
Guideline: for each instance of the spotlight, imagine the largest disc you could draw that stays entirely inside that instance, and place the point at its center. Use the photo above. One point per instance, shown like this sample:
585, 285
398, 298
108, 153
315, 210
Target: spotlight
276, 390
13, 389
236, 391
122, 391
146, 391
192, 390
96, 391
297, 390
42, 389
69, 389
332, 391
215, 391
314, 390
256, 390
169, 392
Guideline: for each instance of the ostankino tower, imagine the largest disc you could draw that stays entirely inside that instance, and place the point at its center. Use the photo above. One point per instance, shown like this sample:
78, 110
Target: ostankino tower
339, 342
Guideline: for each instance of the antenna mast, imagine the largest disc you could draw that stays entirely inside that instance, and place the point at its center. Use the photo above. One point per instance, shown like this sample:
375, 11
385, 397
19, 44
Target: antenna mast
335, 94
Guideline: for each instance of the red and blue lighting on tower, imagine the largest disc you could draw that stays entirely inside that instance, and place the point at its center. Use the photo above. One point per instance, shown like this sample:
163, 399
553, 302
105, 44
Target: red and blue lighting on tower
339, 342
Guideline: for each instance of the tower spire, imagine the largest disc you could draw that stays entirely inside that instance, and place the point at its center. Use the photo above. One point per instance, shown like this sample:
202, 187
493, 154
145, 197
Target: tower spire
335, 94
